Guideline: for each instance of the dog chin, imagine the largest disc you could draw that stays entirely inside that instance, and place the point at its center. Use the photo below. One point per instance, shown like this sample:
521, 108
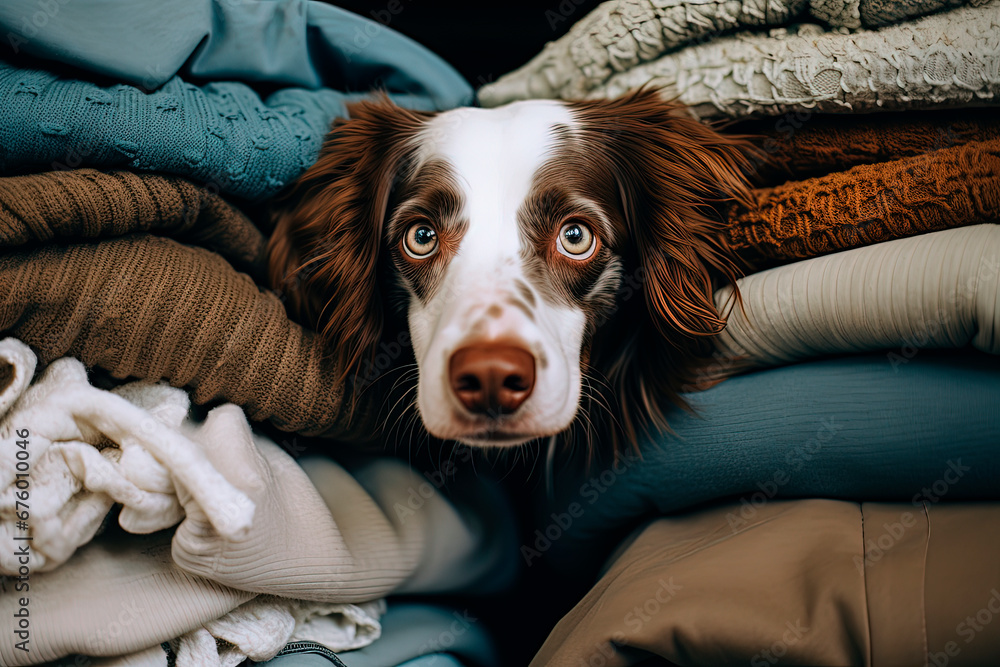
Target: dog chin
493, 434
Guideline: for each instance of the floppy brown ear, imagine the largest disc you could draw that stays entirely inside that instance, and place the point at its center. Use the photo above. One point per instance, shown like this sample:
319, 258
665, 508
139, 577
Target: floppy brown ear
672, 172
323, 255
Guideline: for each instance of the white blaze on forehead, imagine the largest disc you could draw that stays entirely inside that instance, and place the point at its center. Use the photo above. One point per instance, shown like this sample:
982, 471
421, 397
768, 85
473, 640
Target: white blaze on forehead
494, 154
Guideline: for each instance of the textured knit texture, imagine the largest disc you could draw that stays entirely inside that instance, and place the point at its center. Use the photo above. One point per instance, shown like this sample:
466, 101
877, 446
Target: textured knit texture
801, 145
258, 629
621, 34
222, 134
283, 42
883, 12
319, 532
90, 449
63, 206
949, 187
148, 307
933, 290
945, 59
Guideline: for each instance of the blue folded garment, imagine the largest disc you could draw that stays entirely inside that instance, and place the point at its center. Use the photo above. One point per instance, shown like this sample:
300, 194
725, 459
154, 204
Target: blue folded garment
285, 42
221, 134
864, 428
441, 636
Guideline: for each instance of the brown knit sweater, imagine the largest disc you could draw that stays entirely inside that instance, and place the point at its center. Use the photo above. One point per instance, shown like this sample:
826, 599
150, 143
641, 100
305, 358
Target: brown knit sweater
913, 176
799, 147
144, 306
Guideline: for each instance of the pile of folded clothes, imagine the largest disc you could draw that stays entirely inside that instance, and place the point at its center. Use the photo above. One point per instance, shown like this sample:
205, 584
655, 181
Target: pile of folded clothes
807, 513
140, 528
132, 300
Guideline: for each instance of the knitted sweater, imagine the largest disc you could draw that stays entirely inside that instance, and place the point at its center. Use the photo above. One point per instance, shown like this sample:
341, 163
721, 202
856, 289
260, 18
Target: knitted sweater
623, 34
796, 147
939, 60
83, 204
222, 134
870, 203
148, 307
283, 42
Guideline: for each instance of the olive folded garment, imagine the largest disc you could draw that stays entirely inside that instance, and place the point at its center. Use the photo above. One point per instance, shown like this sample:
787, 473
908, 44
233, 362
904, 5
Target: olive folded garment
806, 582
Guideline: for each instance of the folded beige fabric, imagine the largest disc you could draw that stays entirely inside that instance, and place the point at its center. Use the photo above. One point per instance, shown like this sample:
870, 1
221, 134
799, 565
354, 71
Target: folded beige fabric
622, 34
119, 596
932, 62
258, 629
931, 291
85, 449
807, 582
113, 597
941, 60
122, 596
854, 14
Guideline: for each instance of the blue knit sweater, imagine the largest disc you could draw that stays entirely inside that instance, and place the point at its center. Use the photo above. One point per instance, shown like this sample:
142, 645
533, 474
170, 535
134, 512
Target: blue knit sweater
221, 134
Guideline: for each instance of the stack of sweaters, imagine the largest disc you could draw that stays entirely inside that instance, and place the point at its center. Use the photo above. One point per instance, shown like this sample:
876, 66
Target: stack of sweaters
128, 255
138, 527
834, 536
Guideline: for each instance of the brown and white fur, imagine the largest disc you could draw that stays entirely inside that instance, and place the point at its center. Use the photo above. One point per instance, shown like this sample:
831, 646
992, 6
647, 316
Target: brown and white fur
472, 226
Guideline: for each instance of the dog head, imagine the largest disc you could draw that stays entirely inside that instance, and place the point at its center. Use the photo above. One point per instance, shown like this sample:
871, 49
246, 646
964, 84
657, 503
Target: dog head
543, 255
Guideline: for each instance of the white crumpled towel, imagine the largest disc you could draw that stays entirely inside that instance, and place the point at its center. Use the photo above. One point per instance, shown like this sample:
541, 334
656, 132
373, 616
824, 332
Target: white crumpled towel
88, 449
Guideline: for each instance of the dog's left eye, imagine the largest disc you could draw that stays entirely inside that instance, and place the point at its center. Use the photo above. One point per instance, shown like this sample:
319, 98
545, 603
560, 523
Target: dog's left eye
421, 241
576, 241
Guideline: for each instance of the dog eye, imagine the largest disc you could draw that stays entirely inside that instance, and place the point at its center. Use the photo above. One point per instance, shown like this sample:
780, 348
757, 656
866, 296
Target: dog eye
576, 240
421, 241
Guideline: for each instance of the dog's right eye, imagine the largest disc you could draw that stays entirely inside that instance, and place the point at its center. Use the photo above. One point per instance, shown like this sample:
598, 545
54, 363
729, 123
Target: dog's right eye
421, 241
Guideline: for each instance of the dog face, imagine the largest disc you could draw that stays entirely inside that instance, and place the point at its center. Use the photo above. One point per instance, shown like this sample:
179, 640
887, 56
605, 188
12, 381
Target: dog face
544, 255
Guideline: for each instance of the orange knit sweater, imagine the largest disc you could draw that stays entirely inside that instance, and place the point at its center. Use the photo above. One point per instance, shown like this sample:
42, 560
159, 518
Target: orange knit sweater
884, 178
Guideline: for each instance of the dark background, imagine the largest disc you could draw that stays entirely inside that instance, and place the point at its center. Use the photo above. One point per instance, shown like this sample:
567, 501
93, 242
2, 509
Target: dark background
482, 41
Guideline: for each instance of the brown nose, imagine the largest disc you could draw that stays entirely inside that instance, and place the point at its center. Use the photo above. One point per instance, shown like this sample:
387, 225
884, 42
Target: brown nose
492, 379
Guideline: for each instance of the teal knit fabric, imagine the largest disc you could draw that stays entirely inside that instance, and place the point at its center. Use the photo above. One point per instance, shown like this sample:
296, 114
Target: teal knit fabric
220, 134
300, 43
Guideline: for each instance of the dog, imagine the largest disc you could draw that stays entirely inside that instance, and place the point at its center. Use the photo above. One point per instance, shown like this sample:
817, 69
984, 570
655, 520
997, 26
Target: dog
539, 257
